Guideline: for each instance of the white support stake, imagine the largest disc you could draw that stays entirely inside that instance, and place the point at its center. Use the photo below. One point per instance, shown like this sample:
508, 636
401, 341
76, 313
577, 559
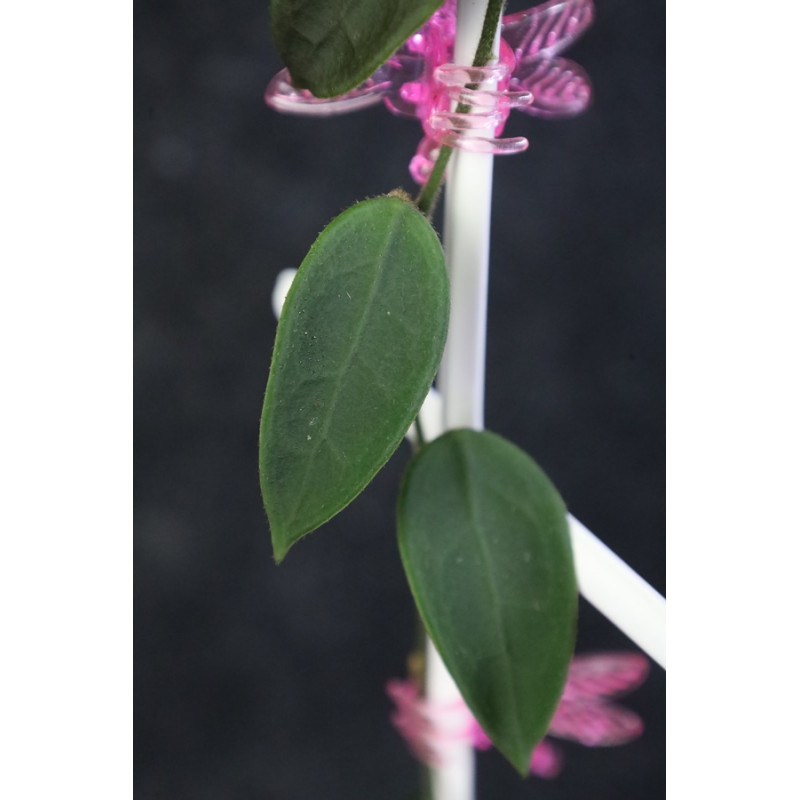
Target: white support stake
619, 593
467, 221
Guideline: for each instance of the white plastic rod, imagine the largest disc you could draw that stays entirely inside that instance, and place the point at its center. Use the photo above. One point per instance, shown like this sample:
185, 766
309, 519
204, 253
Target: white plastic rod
467, 220
619, 593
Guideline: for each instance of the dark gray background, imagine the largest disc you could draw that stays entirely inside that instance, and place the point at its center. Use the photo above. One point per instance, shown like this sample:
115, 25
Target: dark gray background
253, 681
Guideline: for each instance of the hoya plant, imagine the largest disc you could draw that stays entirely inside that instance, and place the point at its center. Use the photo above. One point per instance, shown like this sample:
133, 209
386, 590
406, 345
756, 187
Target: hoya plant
381, 336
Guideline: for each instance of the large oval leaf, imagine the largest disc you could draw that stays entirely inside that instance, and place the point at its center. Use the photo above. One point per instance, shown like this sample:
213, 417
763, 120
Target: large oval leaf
358, 343
485, 545
331, 47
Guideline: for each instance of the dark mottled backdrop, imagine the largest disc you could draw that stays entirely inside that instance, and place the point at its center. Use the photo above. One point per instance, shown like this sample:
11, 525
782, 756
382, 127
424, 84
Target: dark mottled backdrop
260, 683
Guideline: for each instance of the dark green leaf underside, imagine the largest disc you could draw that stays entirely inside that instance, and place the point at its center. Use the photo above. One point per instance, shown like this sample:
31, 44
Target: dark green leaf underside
358, 344
485, 545
331, 47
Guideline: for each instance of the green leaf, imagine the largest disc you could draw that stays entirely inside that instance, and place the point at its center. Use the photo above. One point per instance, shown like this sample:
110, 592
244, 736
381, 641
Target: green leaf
358, 343
332, 47
485, 546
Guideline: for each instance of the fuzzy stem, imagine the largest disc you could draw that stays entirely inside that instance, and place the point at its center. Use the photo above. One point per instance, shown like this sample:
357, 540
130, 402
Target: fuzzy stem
429, 194
485, 52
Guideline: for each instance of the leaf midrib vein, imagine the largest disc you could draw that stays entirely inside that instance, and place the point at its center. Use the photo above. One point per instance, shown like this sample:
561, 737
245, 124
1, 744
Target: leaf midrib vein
391, 232
472, 510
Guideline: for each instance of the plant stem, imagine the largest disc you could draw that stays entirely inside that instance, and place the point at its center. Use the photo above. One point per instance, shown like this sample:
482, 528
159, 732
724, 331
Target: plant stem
486, 50
421, 440
429, 194
484, 53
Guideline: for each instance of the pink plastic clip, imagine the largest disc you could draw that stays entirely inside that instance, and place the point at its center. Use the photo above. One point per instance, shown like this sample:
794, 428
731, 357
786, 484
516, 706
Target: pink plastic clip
585, 713
467, 107
480, 92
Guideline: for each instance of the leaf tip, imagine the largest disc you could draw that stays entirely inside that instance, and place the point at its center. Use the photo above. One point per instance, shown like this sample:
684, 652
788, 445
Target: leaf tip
281, 540
522, 764
517, 753
279, 548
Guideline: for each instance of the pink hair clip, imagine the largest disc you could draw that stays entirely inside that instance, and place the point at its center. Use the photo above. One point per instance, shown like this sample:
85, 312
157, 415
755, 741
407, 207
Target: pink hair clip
419, 81
584, 714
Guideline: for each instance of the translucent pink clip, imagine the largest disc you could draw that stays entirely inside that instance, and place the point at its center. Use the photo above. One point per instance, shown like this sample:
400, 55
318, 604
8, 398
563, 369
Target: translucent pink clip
481, 109
467, 107
282, 96
585, 713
